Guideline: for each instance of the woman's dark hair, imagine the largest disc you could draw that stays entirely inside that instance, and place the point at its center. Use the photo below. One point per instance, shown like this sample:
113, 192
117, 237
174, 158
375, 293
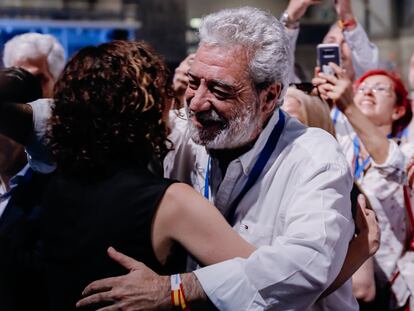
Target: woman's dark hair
109, 105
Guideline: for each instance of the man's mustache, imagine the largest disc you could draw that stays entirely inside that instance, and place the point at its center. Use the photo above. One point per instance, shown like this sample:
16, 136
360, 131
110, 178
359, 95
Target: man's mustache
209, 118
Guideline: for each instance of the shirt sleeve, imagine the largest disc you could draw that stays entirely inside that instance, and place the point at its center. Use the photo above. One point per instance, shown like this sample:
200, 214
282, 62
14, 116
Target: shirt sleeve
365, 55
39, 157
293, 37
303, 258
386, 178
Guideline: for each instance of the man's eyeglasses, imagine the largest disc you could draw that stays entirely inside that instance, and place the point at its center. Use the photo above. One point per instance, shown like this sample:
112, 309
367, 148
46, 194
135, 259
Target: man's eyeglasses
378, 88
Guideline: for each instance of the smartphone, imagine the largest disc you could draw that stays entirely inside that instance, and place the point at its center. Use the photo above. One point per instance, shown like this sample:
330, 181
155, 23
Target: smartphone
328, 53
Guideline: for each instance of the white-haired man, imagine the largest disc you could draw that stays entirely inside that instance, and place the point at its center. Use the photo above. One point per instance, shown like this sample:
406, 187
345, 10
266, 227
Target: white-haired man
284, 187
40, 54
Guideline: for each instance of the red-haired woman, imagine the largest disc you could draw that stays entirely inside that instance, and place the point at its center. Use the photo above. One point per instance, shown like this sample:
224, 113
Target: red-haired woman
378, 109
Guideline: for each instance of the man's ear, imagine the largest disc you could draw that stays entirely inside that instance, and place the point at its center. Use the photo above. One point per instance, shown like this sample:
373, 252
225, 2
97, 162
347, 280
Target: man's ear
398, 113
269, 97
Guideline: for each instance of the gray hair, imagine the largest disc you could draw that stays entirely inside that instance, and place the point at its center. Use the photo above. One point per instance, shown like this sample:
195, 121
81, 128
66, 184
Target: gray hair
263, 36
33, 45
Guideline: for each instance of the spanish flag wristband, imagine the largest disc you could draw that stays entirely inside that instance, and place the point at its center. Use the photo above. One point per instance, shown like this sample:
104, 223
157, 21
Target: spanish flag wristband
346, 24
177, 293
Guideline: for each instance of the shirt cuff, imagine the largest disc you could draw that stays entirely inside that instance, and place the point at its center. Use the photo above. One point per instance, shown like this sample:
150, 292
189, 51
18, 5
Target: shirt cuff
223, 282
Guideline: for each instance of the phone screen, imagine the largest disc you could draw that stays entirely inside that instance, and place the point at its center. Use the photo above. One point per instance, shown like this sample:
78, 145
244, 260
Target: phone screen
328, 53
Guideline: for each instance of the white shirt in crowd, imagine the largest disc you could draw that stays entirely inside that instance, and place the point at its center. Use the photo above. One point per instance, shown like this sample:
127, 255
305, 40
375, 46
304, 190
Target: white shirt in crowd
383, 184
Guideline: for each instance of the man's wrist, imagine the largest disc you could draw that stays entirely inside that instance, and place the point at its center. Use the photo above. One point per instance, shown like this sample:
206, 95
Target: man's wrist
164, 284
195, 295
347, 23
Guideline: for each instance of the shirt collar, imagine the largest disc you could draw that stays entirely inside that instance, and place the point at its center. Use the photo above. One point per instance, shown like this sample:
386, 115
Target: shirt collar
249, 158
21, 176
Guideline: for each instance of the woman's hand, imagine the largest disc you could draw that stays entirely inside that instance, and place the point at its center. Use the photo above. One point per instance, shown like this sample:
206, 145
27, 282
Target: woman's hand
337, 89
369, 234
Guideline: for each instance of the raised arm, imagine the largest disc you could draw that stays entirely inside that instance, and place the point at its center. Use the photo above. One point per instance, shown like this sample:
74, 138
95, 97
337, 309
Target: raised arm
365, 54
339, 89
290, 18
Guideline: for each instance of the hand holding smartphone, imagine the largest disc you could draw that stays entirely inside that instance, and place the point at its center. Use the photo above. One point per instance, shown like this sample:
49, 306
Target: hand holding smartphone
327, 53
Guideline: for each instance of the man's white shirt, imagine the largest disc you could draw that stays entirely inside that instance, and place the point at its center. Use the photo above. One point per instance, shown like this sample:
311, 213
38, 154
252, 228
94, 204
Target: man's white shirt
298, 214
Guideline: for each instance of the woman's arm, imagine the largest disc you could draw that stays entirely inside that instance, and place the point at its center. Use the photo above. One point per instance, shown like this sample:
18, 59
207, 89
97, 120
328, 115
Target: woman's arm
363, 282
186, 217
361, 248
339, 89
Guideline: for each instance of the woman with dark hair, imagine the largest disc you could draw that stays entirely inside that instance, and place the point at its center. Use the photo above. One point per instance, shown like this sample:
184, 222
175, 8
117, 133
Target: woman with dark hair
378, 109
109, 135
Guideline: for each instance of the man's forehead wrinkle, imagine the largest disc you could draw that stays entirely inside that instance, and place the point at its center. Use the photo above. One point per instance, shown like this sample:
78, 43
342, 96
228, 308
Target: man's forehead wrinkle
215, 63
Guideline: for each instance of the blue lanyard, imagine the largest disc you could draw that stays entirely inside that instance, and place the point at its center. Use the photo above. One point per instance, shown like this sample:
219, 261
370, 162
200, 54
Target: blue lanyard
360, 167
258, 167
206, 179
335, 116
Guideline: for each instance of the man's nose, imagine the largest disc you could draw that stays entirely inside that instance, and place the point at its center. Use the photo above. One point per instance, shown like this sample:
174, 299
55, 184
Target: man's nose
199, 101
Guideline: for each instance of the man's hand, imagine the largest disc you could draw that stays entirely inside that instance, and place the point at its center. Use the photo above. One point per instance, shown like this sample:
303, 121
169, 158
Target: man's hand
297, 8
180, 80
140, 289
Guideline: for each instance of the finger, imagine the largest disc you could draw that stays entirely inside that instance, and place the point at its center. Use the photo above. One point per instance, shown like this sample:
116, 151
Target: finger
330, 78
361, 220
410, 175
317, 81
123, 260
110, 308
340, 72
102, 285
324, 89
95, 298
316, 71
362, 201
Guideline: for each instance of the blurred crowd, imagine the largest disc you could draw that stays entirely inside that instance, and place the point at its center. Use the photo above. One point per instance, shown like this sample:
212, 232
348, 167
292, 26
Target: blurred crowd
228, 184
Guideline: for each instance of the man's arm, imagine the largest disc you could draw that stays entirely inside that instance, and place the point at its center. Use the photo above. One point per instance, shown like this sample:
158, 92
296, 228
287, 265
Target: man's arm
365, 54
141, 289
290, 18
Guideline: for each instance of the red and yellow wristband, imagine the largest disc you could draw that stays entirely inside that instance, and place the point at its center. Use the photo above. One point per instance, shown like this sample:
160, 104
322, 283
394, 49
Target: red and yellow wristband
177, 293
347, 24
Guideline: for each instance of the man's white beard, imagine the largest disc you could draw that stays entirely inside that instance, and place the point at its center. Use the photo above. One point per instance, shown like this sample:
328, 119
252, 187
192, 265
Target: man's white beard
239, 131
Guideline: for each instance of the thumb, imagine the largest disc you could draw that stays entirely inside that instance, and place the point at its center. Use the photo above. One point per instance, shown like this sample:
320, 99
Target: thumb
361, 201
360, 213
124, 260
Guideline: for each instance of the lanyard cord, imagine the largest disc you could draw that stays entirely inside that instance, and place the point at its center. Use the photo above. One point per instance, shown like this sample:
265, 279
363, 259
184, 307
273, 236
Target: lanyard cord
359, 168
257, 169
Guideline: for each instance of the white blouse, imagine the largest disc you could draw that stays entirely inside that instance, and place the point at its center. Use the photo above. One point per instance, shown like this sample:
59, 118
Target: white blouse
383, 185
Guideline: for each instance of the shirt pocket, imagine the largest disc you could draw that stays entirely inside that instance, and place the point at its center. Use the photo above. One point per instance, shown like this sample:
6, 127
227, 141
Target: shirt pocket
256, 234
